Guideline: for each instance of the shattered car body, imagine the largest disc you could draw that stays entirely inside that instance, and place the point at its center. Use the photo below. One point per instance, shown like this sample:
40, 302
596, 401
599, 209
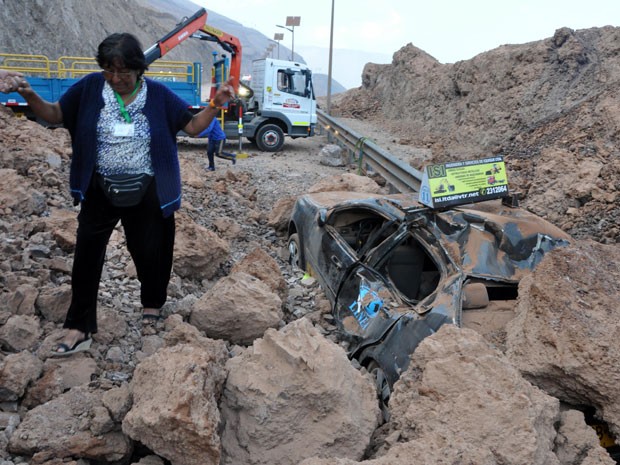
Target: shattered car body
395, 270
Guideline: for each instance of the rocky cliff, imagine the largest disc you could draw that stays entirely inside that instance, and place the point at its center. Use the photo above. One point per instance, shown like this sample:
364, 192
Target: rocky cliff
551, 107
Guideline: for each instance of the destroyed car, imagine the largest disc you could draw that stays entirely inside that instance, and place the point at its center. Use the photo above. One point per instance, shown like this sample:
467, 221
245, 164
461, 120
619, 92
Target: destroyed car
396, 270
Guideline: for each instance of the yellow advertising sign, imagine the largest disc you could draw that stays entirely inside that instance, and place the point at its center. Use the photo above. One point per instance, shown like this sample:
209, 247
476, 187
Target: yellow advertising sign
461, 182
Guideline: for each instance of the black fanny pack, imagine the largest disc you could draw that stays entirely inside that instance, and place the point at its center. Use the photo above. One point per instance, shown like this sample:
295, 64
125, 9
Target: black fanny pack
125, 190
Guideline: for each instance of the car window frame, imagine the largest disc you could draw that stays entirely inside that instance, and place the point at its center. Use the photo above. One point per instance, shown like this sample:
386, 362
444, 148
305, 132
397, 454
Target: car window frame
333, 240
339, 211
377, 258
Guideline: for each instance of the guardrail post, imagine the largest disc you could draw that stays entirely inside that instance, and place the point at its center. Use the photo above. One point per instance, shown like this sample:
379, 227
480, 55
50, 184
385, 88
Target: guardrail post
398, 174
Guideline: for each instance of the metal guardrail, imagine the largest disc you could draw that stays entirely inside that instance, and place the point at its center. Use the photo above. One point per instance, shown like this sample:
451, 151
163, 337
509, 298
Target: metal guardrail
398, 174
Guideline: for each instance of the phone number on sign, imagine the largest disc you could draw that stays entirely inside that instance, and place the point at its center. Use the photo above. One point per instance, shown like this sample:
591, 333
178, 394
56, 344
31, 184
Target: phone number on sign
493, 190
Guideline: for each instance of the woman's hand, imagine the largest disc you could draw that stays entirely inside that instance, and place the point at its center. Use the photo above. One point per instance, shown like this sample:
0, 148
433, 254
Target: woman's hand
12, 81
225, 93
201, 120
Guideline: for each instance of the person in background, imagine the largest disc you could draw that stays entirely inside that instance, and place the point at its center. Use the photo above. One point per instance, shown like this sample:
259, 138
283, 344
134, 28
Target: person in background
217, 139
123, 129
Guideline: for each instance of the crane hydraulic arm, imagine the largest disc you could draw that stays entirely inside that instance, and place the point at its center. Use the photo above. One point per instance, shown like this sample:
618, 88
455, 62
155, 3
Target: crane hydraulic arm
196, 27
229, 43
182, 31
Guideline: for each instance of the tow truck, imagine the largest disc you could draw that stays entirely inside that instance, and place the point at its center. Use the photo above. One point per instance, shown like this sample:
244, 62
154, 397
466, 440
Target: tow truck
278, 101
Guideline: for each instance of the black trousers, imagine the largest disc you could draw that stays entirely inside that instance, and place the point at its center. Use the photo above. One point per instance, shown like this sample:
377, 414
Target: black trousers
150, 241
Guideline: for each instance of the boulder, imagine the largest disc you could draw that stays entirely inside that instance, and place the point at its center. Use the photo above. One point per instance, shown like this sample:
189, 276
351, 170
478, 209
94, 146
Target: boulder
574, 442
457, 386
333, 155
53, 302
22, 300
238, 308
74, 424
20, 332
111, 325
175, 403
280, 214
58, 376
198, 252
263, 266
18, 194
62, 223
17, 372
564, 338
294, 395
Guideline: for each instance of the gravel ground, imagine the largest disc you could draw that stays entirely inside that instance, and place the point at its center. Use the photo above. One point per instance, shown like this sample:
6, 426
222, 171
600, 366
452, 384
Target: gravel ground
250, 188
241, 197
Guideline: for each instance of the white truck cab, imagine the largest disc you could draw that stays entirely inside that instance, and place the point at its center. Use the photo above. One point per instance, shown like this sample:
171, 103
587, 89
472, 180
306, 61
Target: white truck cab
283, 103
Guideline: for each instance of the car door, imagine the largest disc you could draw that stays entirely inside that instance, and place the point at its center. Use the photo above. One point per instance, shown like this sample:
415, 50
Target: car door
335, 256
334, 248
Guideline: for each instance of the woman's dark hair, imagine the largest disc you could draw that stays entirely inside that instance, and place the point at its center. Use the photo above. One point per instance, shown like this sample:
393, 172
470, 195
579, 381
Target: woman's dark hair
121, 49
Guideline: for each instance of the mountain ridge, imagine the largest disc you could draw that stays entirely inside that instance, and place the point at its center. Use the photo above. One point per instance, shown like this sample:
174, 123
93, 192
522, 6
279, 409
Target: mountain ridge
144, 18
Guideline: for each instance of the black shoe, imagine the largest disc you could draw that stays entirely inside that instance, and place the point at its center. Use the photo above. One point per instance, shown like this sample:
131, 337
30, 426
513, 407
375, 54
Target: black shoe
150, 319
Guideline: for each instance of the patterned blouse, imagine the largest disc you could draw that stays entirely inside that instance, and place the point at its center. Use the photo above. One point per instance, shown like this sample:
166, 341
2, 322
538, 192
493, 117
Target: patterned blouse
123, 155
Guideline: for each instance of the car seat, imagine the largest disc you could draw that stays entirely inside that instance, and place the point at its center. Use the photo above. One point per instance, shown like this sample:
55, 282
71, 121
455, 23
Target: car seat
405, 268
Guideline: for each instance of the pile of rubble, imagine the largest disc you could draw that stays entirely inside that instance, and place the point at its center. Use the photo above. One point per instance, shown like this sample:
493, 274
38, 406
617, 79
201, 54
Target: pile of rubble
550, 107
247, 367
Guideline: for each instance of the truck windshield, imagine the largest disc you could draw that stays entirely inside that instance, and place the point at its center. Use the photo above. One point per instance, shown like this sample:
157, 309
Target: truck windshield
292, 82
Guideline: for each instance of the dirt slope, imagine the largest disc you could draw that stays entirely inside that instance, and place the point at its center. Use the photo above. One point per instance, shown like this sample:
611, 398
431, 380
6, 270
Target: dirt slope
76, 28
550, 107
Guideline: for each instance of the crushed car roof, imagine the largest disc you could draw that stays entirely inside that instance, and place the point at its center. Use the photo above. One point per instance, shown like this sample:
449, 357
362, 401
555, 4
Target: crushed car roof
470, 234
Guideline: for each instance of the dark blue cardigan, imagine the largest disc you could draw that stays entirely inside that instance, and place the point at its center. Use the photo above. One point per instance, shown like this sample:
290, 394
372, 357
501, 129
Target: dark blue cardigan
166, 113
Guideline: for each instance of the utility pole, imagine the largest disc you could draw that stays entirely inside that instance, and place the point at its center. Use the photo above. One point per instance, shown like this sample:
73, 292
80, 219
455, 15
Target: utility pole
329, 70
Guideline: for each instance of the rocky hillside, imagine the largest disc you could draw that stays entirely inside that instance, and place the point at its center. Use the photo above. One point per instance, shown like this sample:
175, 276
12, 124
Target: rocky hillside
149, 20
77, 27
550, 107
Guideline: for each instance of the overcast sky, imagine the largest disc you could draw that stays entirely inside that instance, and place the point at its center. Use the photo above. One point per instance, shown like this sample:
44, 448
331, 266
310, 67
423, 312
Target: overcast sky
449, 30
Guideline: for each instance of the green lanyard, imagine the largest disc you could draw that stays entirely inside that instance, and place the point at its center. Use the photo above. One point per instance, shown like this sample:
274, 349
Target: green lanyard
121, 104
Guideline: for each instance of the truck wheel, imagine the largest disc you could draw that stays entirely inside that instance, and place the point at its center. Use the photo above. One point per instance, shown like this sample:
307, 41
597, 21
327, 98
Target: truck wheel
270, 138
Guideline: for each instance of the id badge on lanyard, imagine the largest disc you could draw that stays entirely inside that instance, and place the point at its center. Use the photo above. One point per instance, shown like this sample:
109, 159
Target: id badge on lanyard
124, 130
